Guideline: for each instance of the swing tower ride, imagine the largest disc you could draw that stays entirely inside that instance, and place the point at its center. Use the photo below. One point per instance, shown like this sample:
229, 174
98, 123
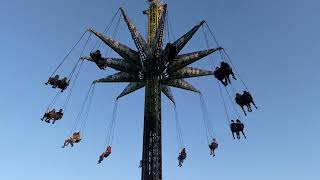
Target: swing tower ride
157, 68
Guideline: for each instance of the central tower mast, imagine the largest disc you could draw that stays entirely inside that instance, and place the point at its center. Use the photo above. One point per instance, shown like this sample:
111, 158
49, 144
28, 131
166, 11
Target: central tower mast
154, 13
152, 149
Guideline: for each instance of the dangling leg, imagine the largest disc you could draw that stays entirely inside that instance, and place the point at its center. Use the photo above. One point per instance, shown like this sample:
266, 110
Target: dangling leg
66, 143
238, 135
244, 135
43, 117
243, 111
221, 80
233, 76
249, 105
225, 82
254, 104
180, 161
213, 154
233, 135
100, 159
228, 79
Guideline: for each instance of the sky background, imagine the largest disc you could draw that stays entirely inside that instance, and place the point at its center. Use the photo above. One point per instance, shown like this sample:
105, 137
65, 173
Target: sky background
274, 45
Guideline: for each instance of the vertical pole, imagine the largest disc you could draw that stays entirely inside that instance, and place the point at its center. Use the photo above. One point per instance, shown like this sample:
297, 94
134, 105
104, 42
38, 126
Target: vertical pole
153, 20
151, 155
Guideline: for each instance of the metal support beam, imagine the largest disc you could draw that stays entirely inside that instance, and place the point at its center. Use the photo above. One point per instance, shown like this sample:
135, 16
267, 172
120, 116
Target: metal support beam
151, 155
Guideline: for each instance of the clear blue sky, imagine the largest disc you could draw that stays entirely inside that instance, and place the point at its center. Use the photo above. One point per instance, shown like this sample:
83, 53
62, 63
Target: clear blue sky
274, 44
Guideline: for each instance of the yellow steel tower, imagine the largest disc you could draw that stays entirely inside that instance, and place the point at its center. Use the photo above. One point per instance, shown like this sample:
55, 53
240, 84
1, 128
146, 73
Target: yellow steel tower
154, 13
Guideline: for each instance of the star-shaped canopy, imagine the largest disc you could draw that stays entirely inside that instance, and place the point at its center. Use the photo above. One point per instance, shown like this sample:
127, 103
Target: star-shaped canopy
152, 59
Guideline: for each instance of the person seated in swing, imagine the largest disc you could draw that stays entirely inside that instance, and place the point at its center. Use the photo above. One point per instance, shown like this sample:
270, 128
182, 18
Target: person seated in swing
63, 84
218, 74
245, 100
182, 156
234, 129
53, 81
248, 100
239, 99
213, 146
48, 115
241, 102
75, 138
240, 128
227, 70
105, 154
57, 115
223, 73
98, 59
96, 56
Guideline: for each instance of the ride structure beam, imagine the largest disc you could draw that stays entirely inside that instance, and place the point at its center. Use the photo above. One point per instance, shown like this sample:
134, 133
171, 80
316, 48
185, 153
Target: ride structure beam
183, 40
186, 59
119, 77
132, 87
152, 155
181, 84
137, 38
189, 72
124, 51
117, 64
167, 91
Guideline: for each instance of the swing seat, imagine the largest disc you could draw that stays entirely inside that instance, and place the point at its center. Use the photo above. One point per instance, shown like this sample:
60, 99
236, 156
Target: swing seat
213, 146
107, 154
